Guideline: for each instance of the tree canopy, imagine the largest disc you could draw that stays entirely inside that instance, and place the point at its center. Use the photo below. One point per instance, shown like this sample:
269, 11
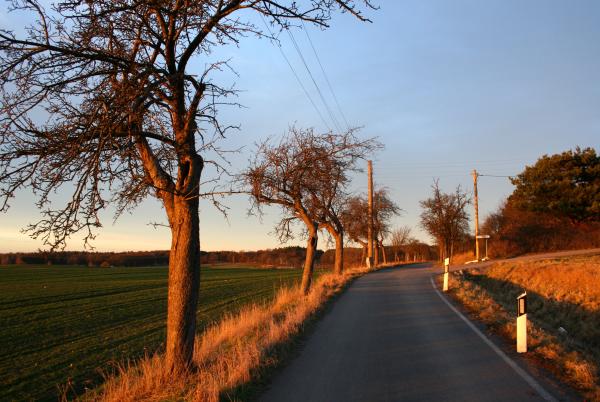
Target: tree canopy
445, 217
355, 218
563, 185
306, 173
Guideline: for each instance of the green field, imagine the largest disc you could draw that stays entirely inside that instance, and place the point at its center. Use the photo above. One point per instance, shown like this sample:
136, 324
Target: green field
62, 325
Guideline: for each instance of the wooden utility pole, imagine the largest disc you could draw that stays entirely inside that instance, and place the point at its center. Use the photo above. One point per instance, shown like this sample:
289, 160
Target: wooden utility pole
370, 230
476, 203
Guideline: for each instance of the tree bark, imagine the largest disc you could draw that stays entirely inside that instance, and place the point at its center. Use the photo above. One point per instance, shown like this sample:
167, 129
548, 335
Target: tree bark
309, 261
336, 231
383, 252
338, 266
184, 283
364, 253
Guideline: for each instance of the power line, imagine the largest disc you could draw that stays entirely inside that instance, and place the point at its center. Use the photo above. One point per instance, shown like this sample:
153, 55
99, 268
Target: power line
457, 164
326, 77
295, 74
327, 108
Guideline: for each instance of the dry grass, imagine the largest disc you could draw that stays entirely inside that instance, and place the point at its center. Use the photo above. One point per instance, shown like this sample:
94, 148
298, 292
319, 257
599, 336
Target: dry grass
561, 293
572, 280
227, 355
461, 258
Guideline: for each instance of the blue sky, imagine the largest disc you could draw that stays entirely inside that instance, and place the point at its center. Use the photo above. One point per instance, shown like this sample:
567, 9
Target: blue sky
447, 86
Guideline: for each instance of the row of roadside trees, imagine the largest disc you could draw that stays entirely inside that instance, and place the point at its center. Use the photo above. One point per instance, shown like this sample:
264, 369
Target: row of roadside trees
308, 175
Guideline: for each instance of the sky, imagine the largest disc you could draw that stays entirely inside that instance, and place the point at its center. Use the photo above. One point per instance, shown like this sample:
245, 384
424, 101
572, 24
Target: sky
447, 87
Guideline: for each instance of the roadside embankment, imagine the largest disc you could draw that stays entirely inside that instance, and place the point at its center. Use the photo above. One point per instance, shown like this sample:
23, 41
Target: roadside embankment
563, 312
233, 353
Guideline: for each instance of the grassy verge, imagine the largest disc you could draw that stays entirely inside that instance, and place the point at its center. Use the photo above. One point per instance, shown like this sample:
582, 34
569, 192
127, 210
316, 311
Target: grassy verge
230, 355
68, 326
563, 312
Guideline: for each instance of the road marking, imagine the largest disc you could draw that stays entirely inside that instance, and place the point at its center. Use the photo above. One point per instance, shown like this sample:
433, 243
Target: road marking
522, 373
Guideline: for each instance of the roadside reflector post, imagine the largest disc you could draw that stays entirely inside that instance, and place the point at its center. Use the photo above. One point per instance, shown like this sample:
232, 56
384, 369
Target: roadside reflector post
446, 266
522, 323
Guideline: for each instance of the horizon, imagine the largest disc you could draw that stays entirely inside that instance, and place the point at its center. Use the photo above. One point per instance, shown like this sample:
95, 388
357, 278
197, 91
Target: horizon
447, 88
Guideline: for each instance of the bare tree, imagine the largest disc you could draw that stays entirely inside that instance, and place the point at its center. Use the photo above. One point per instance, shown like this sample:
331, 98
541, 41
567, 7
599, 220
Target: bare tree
334, 206
445, 217
99, 96
306, 173
355, 220
384, 210
400, 238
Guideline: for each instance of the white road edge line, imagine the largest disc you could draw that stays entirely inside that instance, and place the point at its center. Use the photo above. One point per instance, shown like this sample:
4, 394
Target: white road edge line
522, 373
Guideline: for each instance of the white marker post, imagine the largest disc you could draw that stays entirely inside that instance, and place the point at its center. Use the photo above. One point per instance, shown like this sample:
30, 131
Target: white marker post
522, 323
446, 265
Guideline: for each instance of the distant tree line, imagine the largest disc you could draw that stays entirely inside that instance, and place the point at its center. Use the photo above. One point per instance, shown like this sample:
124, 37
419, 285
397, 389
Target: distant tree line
280, 257
405, 248
555, 206
92, 259
515, 231
283, 257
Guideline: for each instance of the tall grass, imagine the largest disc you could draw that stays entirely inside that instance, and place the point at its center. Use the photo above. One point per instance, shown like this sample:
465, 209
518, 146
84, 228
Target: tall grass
562, 293
228, 354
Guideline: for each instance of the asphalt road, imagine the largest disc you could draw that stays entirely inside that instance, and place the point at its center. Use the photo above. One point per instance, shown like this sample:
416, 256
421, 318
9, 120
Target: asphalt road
391, 337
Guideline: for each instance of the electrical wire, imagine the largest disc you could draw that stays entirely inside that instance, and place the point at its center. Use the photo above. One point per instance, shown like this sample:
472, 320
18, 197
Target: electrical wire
457, 164
327, 108
295, 74
335, 98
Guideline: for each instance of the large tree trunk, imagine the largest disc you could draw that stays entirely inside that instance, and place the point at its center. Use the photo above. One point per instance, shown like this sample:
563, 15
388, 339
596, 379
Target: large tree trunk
184, 282
180, 200
309, 261
376, 253
338, 266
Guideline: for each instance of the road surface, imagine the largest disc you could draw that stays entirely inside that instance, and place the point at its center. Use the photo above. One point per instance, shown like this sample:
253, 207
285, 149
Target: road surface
391, 337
